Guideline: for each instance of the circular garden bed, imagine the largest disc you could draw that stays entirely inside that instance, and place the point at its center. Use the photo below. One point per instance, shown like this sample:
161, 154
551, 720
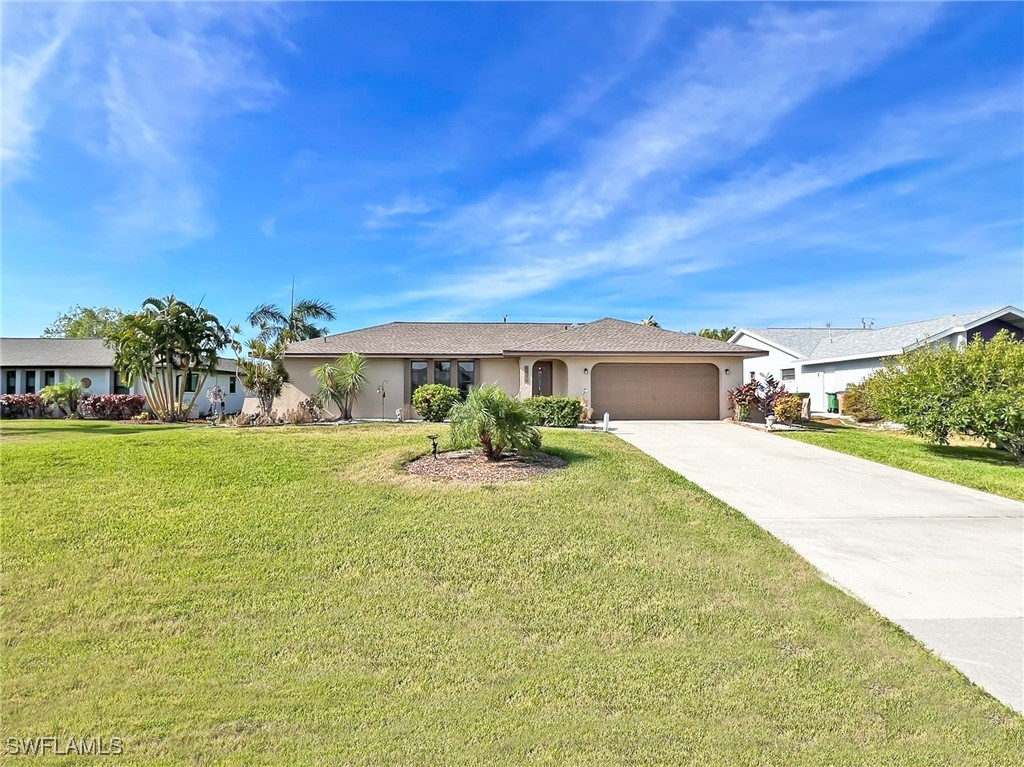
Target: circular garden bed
473, 467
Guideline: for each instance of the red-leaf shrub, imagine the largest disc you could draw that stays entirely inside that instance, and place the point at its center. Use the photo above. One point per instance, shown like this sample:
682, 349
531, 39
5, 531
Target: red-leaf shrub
111, 407
21, 406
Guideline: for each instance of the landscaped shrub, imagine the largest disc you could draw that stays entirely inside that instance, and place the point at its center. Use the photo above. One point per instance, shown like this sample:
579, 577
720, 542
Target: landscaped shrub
788, 408
311, 409
565, 412
857, 403
21, 406
743, 400
64, 395
434, 401
495, 421
111, 407
296, 416
977, 390
768, 391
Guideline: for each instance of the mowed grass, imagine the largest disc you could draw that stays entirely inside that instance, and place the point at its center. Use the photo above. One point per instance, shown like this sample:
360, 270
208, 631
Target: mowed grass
983, 468
291, 596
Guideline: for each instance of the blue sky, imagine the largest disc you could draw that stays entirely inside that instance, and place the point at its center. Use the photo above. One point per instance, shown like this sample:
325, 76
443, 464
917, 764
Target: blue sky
712, 165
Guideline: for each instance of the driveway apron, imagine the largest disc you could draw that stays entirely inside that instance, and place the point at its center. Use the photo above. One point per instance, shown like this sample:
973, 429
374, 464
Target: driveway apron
943, 561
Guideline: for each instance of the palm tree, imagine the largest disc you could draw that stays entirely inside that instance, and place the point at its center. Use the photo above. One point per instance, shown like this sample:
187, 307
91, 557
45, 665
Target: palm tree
264, 373
340, 383
162, 346
299, 324
651, 322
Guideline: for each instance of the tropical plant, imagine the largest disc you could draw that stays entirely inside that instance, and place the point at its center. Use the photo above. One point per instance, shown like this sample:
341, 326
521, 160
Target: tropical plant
64, 395
788, 408
651, 322
434, 401
340, 382
718, 334
743, 400
857, 403
495, 421
564, 412
162, 345
264, 373
976, 391
111, 407
21, 405
768, 391
84, 322
299, 324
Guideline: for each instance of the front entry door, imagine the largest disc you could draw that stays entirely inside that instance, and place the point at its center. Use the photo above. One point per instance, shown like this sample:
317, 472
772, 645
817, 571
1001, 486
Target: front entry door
542, 379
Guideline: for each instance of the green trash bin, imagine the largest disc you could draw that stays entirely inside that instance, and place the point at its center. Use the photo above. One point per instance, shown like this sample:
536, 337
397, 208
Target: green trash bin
833, 401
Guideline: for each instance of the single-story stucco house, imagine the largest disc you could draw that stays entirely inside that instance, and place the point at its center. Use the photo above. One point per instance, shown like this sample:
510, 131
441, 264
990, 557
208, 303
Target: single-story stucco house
626, 369
822, 360
29, 364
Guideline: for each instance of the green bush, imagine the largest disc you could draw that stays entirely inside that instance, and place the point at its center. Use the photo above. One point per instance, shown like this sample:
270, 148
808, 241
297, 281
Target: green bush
495, 421
565, 412
434, 401
857, 403
977, 391
787, 408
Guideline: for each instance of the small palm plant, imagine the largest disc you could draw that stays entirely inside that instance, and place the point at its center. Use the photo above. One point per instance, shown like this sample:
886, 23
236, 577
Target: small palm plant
64, 395
340, 383
495, 421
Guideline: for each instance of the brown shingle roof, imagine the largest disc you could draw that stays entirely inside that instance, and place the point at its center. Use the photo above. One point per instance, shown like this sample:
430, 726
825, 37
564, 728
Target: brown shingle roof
422, 339
492, 339
612, 336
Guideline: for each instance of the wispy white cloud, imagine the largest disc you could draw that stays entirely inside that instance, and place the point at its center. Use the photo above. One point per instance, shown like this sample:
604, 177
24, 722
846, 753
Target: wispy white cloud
28, 58
404, 205
269, 226
720, 100
160, 78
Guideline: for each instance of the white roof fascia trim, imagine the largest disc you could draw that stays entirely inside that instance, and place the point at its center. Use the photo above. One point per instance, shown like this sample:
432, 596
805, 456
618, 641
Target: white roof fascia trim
773, 344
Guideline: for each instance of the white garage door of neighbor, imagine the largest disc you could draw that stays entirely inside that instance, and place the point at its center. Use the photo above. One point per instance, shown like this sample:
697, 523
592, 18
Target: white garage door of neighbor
632, 391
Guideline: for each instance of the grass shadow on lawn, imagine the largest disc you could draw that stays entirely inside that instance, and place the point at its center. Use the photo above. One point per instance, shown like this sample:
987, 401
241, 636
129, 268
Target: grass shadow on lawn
40, 428
990, 455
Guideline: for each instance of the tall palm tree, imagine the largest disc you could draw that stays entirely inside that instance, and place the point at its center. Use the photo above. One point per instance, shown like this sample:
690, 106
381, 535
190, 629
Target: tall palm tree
298, 324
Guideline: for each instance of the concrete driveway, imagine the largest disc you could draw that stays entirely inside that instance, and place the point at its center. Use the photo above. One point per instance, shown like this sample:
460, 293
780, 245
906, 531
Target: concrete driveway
943, 561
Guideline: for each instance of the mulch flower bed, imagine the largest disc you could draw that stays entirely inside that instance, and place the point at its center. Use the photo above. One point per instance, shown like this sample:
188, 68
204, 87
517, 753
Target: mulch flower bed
473, 467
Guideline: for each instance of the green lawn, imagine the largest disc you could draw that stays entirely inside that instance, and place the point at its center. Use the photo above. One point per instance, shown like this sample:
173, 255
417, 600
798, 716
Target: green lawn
983, 468
291, 596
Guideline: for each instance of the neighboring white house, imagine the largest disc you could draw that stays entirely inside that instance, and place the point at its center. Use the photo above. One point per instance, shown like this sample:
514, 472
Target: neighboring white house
823, 360
29, 364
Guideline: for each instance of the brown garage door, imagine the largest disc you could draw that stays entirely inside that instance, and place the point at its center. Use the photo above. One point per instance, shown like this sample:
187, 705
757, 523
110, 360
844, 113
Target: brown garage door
631, 391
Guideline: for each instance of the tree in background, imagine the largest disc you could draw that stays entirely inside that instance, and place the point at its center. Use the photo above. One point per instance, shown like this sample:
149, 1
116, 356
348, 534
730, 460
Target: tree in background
976, 391
340, 382
264, 373
162, 346
718, 334
84, 322
299, 324
651, 322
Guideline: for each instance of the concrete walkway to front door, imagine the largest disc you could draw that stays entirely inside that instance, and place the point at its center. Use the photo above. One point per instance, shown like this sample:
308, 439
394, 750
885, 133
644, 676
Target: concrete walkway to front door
943, 561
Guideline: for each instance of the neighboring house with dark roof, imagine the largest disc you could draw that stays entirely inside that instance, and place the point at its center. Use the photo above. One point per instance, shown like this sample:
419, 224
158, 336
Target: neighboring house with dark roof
626, 369
29, 364
823, 360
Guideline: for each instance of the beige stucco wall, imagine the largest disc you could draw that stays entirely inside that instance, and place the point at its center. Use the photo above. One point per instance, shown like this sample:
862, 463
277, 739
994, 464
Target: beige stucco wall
369, 405
504, 372
577, 383
568, 379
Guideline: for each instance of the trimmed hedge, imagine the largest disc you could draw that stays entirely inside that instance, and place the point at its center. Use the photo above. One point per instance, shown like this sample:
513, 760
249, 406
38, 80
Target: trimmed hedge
564, 412
21, 406
111, 407
434, 401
